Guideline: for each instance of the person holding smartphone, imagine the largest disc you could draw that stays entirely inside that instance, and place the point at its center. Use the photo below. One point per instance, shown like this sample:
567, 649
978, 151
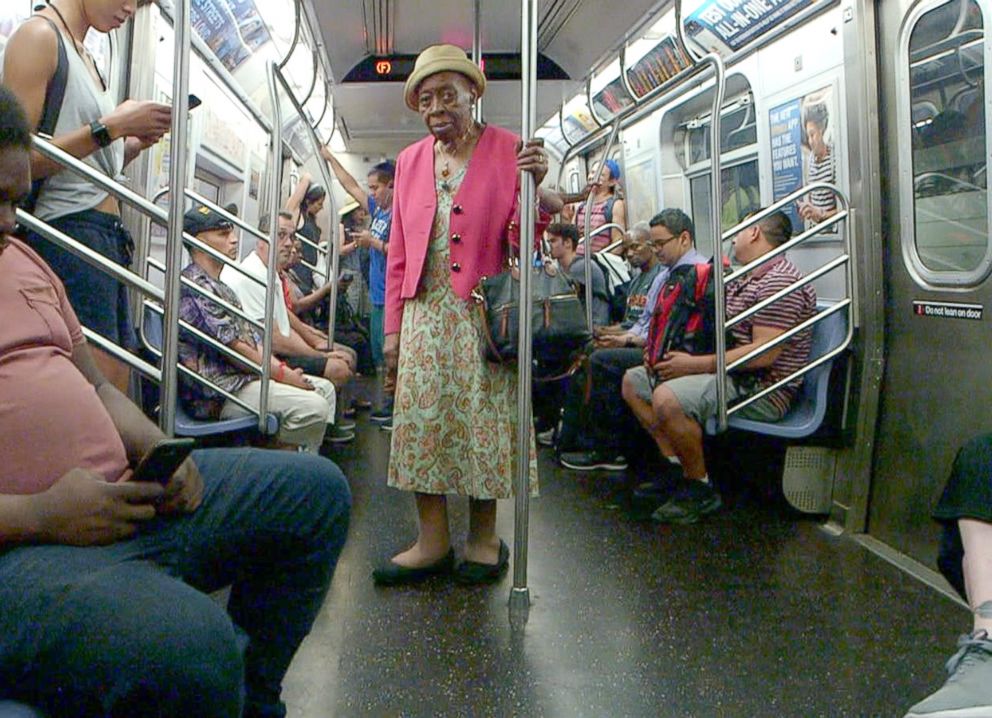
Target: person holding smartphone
304, 403
105, 135
104, 580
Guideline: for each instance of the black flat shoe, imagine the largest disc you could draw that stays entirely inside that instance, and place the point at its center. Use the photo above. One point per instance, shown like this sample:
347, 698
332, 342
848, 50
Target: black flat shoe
392, 574
471, 572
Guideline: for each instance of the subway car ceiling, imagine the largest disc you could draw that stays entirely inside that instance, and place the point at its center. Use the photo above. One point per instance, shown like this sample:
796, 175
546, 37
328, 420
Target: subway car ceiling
573, 36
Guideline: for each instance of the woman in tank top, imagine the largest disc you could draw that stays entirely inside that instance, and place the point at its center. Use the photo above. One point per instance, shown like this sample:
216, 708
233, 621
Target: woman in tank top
607, 207
91, 128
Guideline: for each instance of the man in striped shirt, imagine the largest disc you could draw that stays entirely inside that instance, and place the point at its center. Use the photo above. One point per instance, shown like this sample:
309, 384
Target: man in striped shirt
676, 405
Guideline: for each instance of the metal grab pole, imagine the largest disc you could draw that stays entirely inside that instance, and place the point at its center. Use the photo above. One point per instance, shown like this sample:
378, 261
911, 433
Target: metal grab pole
177, 207
334, 260
588, 222
520, 594
275, 204
716, 206
477, 54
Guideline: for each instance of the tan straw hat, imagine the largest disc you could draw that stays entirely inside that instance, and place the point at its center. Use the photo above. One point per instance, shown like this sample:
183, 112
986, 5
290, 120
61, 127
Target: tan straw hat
351, 206
441, 58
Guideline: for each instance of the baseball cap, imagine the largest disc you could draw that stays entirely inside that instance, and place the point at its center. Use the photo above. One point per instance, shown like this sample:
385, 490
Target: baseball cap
204, 219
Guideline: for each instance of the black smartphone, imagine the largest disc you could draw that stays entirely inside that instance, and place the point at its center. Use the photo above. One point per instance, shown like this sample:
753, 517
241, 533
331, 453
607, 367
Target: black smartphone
161, 462
194, 102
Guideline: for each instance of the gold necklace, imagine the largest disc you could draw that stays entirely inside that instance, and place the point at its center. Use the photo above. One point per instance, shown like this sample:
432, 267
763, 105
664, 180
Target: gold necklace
464, 141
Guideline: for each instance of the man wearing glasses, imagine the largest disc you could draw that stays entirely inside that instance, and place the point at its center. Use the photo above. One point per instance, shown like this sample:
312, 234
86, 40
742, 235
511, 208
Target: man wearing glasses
671, 238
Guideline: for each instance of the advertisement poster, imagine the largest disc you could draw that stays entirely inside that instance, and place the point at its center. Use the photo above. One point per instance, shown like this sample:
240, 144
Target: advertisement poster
232, 29
803, 148
664, 61
728, 25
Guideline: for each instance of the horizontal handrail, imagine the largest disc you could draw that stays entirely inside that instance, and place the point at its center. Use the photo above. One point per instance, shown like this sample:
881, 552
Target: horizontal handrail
90, 256
157, 214
829, 356
602, 228
785, 291
199, 378
786, 335
723, 323
222, 348
187, 282
135, 362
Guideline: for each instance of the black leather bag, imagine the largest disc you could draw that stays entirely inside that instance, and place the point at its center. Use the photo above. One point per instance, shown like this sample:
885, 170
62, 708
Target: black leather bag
558, 319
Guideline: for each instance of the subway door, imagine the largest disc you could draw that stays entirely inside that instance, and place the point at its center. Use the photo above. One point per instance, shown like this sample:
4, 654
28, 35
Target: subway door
937, 390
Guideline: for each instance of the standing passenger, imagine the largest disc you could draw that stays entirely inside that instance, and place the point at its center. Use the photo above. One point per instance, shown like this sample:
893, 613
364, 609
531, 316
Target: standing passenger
607, 208
107, 139
455, 415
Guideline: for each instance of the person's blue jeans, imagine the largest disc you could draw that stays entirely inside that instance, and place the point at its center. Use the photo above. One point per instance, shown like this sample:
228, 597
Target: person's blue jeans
127, 629
376, 331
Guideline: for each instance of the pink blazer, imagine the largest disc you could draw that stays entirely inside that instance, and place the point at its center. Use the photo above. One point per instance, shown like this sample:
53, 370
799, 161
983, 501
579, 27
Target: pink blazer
483, 208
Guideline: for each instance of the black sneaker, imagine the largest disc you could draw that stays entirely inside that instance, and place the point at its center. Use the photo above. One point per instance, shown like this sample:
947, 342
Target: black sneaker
592, 461
380, 416
387, 425
691, 502
338, 435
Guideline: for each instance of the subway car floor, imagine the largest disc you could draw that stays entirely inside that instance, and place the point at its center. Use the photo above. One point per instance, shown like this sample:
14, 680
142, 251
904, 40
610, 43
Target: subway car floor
754, 612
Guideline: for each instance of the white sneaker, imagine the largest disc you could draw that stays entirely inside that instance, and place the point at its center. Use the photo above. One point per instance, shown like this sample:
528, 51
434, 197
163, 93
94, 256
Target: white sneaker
968, 690
546, 438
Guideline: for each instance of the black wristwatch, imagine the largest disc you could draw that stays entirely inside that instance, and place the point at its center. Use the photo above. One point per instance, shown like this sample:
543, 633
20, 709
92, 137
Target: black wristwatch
101, 135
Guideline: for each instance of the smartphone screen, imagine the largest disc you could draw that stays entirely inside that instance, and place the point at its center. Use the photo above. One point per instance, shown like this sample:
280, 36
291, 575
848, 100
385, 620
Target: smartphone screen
161, 462
194, 102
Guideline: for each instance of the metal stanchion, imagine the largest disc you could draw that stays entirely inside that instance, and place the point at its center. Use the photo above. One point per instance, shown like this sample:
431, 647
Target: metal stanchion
520, 594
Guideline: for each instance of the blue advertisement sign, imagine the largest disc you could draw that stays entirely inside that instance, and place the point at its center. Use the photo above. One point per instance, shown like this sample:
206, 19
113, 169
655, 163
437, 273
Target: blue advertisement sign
734, 23
785, 123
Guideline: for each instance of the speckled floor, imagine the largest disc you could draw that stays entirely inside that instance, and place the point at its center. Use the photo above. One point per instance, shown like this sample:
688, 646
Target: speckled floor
756, 612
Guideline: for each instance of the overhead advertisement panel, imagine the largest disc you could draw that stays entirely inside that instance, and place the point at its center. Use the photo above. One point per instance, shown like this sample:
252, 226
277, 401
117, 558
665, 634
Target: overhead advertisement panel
728, 25
232, 29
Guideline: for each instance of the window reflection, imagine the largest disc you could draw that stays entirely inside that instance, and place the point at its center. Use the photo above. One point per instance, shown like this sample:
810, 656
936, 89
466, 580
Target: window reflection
950, 178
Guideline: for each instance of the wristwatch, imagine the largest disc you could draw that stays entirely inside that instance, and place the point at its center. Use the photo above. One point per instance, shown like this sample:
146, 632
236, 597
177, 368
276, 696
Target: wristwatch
101, 135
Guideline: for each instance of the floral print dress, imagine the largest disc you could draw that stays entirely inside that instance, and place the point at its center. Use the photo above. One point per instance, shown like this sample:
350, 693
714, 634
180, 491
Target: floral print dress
455, 415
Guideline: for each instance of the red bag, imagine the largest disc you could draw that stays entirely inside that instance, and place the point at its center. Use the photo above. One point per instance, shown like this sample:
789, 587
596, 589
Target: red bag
684, 315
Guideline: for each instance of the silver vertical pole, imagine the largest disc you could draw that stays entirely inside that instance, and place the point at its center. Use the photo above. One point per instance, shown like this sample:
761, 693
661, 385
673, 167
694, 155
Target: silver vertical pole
719, 83
275, 205
477, 54
520, 594
174, 247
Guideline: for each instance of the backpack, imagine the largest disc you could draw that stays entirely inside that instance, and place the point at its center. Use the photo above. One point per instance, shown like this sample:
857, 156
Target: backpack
684, 317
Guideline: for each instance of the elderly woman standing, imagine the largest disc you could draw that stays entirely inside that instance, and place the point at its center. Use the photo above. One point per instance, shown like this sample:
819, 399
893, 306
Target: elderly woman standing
455, 209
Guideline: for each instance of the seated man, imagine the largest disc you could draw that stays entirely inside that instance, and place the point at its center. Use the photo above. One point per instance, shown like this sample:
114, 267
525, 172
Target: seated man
674, 398
303, 412
564, 241
640, 255
103, 580
965, 511
300, 346
671, 244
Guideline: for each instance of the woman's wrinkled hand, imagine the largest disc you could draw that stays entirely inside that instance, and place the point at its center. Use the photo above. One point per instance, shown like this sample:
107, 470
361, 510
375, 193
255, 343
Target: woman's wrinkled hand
531, 157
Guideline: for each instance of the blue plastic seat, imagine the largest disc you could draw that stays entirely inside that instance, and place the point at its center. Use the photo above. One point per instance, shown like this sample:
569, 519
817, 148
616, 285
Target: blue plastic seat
810, 405
186, 425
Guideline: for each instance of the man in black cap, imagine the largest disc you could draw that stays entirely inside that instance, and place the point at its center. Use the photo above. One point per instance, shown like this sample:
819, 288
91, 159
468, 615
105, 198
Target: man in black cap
305, 403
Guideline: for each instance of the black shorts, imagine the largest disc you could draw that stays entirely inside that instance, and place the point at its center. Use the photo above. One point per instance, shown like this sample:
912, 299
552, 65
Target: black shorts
967, 495
100, 301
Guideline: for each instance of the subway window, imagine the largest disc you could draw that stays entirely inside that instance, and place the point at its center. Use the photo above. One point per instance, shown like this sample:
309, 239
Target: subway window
739, 192
949, 156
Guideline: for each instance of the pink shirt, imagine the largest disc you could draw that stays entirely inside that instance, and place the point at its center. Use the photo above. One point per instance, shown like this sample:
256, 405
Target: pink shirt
51, 419
483, 224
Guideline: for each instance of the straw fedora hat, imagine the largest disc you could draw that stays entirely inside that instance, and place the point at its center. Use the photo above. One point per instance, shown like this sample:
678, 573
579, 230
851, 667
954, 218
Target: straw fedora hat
441, 58
351, 206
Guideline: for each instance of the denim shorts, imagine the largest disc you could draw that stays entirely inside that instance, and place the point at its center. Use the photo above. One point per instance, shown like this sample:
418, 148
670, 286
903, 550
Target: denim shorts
100, 301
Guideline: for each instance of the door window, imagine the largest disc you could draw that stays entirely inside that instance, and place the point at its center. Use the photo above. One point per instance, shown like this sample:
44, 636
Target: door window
945, 116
